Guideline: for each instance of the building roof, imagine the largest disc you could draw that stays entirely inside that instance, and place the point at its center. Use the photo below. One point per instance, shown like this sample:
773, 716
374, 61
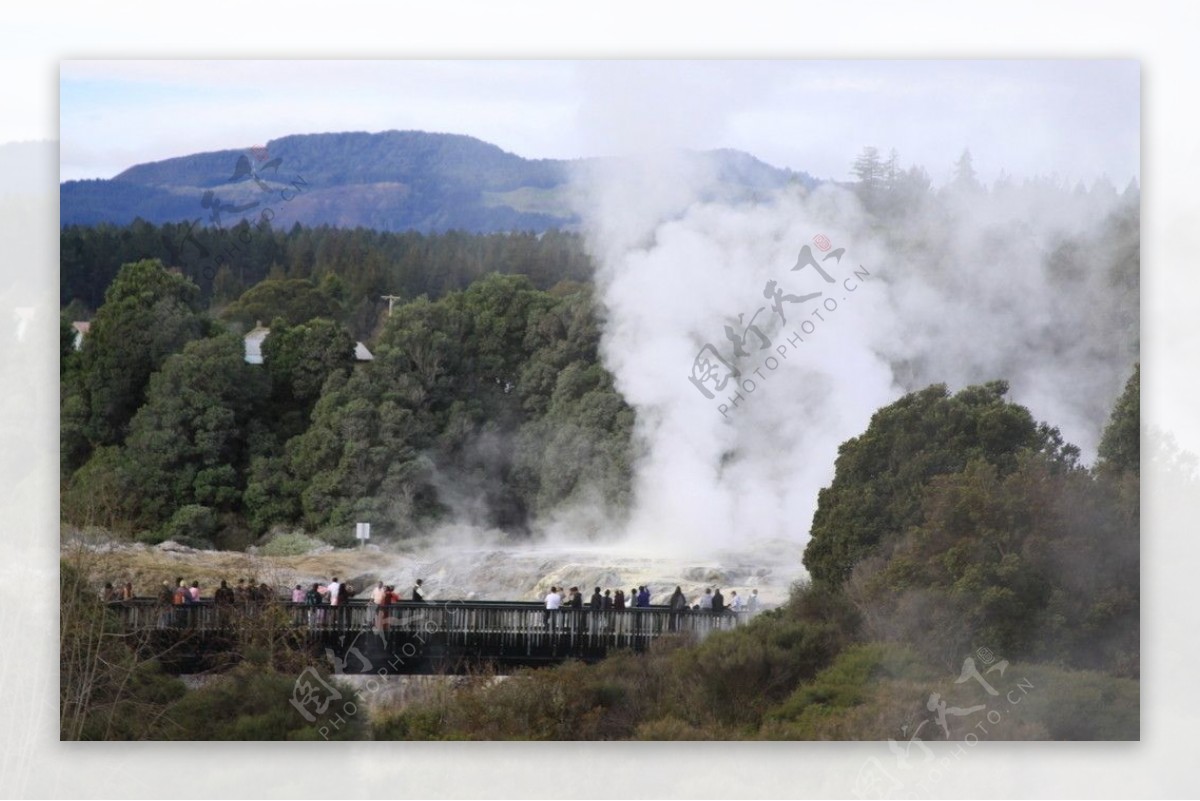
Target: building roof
254, 339
82, 327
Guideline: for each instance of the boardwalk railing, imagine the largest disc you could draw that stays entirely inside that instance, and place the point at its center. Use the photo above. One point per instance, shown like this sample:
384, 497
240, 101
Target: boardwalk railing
468, 624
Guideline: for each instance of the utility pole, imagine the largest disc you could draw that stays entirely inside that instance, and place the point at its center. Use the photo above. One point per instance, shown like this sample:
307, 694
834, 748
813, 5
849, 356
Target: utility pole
391, 299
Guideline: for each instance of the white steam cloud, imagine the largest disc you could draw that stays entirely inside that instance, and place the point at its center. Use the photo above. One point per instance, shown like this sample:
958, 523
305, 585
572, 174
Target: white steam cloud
1021, 284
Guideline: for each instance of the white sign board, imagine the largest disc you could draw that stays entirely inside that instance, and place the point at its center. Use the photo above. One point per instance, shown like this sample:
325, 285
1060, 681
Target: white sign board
362, 531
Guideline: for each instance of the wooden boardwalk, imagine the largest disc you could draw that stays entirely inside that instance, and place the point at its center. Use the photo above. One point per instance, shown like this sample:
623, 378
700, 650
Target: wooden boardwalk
431, 637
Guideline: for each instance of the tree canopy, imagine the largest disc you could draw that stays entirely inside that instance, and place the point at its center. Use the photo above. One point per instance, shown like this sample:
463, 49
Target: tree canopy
294, 301
188, 445
879, 475
1120, 447
488, 403
956, 521
148, 314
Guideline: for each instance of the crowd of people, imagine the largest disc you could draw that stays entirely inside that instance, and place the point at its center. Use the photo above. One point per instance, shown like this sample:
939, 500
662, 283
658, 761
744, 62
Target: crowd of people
332, 593
639, 597
566, 609
324, 601
336, 593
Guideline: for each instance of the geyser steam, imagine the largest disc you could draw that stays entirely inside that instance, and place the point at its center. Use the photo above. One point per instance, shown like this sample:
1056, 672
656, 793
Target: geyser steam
1028, 284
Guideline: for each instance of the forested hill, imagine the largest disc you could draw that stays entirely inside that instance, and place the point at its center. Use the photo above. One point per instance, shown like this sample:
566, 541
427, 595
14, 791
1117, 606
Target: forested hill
389, 181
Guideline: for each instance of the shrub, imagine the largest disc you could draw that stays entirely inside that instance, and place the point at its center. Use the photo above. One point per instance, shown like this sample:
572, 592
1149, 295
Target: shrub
671, 728
192, 525
252, 702
150, 537
850, 681
1079, 704
416, 723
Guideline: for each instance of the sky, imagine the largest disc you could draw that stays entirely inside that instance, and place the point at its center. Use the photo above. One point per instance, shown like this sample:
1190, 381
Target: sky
1074, 119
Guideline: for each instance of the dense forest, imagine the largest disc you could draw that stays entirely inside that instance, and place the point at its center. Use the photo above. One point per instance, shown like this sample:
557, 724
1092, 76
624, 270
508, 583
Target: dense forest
493, 393
361, 265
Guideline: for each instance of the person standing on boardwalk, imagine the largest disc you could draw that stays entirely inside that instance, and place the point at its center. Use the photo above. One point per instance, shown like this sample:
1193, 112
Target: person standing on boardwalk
619, 609
345, 593
596, 604
224, 596
223, 599
718, 602
331, 592
576, 604
553, 604
417, 597
182, 599
166, 599
312, 600
677, 603
388, 600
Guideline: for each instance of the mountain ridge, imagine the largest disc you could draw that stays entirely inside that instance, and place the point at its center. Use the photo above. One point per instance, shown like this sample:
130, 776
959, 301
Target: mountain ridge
390, 180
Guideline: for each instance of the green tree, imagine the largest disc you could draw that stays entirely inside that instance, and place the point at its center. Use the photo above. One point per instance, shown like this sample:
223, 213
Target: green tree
1035, 563
272, 493
965, 179
102, 492
188, 444
492, 396
254, 702
148, 314
869, 169
879, 475
226, 287
299, 359
871, 172
295, 300
1121, 444
357, 458
580, 449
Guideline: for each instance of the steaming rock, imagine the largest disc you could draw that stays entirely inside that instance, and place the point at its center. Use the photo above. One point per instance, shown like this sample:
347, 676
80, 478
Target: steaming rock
170, 546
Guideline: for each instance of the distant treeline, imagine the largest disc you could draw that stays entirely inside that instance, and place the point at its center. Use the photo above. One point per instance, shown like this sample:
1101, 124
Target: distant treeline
224, 263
